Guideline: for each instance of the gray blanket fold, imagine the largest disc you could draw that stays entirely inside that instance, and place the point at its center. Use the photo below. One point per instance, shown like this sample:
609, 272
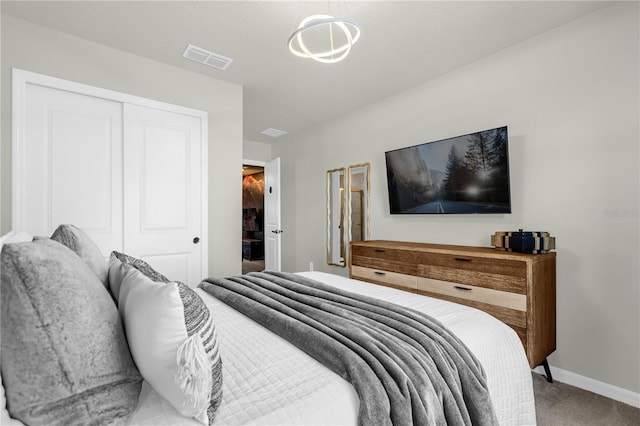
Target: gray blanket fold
404, 365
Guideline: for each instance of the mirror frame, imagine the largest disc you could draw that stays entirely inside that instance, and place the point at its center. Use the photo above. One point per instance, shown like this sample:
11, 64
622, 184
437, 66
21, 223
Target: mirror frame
366, 199
344, 212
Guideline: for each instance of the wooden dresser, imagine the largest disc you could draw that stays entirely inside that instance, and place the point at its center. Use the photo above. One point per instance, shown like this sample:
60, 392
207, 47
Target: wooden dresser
519, 289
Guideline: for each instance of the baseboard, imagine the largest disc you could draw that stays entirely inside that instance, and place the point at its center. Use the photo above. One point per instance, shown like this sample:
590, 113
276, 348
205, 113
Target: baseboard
591, 385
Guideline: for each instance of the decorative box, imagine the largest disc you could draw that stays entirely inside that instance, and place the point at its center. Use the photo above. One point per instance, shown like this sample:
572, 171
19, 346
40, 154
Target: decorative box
524, 241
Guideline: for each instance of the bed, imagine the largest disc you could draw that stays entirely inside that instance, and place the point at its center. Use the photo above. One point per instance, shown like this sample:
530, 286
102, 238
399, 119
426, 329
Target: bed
267, 380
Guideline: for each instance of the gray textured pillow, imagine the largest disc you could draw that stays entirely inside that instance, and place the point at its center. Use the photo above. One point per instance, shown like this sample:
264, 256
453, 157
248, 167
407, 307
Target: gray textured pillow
82, 245
65, 359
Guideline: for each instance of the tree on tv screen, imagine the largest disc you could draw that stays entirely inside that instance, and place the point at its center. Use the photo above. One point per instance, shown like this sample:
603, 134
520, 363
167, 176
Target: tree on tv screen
478, 175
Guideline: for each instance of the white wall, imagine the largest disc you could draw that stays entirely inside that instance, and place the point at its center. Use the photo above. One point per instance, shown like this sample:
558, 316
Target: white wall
256, 151
570, 98
34, 48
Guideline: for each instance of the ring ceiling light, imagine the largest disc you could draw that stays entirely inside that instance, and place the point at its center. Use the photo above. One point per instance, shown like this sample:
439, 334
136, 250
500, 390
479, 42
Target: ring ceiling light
338, 30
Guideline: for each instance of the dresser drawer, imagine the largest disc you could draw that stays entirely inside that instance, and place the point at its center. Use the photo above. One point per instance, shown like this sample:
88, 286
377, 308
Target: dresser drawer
509, 308
391, 279
387, 259
478, 294
384, 253
497, 274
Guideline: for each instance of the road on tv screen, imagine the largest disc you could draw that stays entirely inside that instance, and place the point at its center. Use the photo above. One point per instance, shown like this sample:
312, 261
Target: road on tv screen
457, 207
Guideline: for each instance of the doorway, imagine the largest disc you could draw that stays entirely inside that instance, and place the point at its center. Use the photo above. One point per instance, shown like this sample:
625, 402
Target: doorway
252, 218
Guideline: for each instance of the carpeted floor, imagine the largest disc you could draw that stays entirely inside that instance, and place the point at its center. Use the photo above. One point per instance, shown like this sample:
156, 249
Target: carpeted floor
558, 404
252, 266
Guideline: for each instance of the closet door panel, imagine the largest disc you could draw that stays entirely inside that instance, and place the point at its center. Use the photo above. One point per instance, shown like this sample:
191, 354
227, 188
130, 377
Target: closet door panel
165, 177
162, 180
69, 167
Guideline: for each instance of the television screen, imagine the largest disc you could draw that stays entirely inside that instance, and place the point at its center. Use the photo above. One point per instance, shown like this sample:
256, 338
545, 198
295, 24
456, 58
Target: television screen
464, 174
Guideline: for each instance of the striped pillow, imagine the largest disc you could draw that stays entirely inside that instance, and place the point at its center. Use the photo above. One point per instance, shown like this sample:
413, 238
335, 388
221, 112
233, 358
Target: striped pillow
141, 266
173, 340
120, 263
201, 331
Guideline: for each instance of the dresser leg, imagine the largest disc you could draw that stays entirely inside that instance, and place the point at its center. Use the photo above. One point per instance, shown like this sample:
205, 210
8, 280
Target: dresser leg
547, 371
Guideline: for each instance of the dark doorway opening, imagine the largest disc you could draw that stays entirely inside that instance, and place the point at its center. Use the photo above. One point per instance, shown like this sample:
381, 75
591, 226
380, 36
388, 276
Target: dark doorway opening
252, 218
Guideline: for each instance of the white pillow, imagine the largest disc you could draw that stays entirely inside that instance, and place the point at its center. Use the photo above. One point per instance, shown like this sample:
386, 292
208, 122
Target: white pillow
172, 339
117, 269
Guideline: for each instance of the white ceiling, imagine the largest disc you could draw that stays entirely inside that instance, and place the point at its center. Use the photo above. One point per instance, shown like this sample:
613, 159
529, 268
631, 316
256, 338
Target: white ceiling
403, 44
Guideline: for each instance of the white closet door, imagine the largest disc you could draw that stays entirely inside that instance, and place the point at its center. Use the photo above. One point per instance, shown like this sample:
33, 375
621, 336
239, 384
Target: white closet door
68, 165
162, 191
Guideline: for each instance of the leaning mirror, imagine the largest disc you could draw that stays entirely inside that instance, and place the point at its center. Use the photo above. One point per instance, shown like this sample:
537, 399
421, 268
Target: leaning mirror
336, 201
359, 211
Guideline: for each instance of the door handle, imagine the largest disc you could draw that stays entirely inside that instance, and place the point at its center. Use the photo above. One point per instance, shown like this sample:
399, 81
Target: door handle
459, 287
196, 240
277, 231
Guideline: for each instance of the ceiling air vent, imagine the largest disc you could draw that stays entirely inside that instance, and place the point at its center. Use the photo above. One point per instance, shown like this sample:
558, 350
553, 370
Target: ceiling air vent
274, 133
205, 57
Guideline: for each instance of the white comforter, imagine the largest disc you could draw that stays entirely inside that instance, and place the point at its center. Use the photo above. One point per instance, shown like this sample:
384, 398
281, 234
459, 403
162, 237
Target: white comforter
268, 381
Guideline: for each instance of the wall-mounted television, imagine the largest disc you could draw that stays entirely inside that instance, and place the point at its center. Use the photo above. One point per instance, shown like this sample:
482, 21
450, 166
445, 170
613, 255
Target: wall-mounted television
466, 174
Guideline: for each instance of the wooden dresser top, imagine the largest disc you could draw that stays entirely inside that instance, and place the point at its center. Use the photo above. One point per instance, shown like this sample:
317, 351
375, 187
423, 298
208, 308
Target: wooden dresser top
452, 249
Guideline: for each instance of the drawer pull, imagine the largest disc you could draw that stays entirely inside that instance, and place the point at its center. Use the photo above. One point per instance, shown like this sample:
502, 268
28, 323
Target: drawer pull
379, 250
458, 287
379, 273
462, 259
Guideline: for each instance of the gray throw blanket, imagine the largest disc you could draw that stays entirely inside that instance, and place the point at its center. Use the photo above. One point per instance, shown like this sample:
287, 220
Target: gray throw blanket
406, 368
